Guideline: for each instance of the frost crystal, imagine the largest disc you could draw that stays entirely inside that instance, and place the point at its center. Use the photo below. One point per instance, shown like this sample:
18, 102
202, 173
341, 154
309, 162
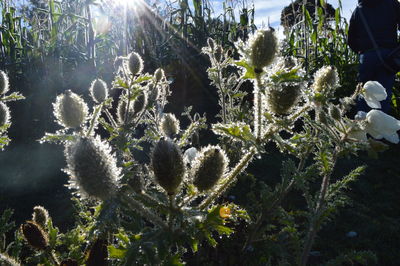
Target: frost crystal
70, 110
92, 168
98, 90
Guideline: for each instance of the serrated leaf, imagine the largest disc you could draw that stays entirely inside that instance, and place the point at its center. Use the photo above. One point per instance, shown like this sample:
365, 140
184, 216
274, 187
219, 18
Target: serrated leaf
15, 96
249, 71
236, 131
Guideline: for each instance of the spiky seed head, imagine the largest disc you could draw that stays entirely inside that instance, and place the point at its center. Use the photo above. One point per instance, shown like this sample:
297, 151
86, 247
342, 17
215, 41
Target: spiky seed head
98, 253
4, 114
40, 216
211, 43
135, 63
70, 110
169, 125
140, 103
159, 75
124, 114
92, 168
335, 112
34, 235
208, 167
283, 97
69, 262
263, 45
4, 83
168, 166
98, 90
6, 260
326, 78
218, 53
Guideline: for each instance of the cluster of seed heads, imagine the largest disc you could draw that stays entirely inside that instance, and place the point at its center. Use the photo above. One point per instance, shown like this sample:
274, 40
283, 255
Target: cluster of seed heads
70, 110
92, 168
125, 113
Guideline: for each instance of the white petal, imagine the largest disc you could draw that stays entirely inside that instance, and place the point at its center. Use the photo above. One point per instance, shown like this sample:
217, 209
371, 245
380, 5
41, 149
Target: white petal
360, 116
383, 123
372, 102
392, 138
375, 90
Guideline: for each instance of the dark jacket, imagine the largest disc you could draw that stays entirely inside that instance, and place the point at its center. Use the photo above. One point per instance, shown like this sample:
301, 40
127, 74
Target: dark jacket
382, 18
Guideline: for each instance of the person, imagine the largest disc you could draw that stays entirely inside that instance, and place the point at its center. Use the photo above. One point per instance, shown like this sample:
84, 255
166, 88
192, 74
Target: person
373, 35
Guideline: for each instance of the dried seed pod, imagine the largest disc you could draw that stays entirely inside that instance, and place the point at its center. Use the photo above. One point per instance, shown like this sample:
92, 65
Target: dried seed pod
208, 167
168, 166
40, 216
283, 97
69, 262
135, 63
325, 78
169, 125
4, 83
98, 253
321, 117
98, 90
263, 45
34, 235
92, 168
124, 114
159, 74
70, 110
218, 53
4, 114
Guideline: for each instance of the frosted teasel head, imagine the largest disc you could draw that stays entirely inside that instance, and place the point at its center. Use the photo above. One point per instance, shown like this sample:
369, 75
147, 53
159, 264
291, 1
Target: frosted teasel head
209, 166
40, 216
140, 103
98, 90
168, 165
169, 125
124, 112
373, 92
4, 114
261, 49
4, 83
135, 63
92, 168
326, 79
70, 110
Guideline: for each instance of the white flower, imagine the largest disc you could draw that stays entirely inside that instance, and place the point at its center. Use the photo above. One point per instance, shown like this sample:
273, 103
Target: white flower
190, 154
374, 92
360, 116
380, 125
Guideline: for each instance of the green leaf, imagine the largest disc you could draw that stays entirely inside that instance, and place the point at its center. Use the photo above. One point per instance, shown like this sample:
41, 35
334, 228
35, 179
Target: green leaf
56, 138
284, 76
249, 70
15, 96
116, 253
238, 131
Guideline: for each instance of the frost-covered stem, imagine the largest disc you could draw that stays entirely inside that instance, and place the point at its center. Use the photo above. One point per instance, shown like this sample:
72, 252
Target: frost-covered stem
147, 214
222, 94
171, 211
231, 177
109, 116
313, 228
277, 201
94, 118
258, 108
152, 201
53, 257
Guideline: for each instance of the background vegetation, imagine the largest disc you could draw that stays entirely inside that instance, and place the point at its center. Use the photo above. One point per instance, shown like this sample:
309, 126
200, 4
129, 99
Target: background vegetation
48, 47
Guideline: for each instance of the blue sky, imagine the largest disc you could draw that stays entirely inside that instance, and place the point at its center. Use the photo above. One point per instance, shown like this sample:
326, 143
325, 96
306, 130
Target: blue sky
271, 9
